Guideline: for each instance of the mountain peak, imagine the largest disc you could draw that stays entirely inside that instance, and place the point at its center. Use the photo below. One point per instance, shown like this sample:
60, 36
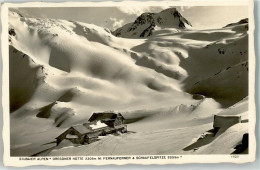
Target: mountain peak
145, 24
242, 21
170, 10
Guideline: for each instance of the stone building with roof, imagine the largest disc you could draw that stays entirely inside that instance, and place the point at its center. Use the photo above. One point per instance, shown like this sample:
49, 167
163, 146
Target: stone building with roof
111, 119
100, 124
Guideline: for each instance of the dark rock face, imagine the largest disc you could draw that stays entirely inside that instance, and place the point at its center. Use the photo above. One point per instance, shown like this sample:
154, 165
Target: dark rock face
243, 147
146, 18
45, 112
145, 24
148, 31
243, 21
181, 24
12, 32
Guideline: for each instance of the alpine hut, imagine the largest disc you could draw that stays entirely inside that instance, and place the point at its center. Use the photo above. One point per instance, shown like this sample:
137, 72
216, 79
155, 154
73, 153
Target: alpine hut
100, 124
78, 134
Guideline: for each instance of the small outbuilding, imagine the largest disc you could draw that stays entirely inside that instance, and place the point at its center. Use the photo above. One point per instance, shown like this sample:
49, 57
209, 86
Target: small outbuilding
225, 121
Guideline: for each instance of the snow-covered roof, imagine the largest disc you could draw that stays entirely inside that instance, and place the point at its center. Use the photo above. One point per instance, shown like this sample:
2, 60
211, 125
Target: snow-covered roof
82, 129
98, 125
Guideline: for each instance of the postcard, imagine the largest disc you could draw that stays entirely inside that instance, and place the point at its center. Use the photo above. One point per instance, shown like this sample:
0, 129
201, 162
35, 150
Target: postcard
154, 82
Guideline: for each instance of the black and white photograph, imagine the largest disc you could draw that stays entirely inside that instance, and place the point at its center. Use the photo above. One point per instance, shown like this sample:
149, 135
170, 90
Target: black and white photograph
146, 80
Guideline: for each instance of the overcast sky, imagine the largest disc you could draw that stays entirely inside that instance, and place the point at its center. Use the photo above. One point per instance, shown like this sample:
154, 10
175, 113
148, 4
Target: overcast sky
201, 17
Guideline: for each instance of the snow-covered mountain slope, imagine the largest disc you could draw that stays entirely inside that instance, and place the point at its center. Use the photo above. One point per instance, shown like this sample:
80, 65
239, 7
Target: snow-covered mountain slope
146, 23
218, 86
63, 71
229, 136
72, 59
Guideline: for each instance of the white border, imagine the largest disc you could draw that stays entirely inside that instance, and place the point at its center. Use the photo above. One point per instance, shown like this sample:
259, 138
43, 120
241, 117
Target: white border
14, 161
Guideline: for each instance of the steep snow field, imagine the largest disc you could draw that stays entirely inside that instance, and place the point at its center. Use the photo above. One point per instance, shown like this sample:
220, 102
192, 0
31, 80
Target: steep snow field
167, 86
